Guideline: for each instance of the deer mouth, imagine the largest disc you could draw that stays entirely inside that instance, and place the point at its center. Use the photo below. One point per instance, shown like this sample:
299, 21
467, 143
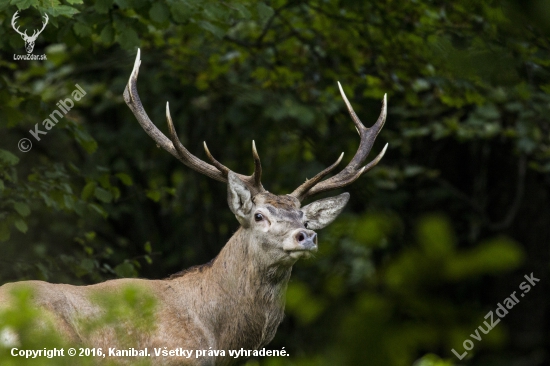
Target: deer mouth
302, 252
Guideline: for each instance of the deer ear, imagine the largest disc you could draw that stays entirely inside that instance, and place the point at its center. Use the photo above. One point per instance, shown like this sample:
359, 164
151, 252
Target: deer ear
239, 198
320, 213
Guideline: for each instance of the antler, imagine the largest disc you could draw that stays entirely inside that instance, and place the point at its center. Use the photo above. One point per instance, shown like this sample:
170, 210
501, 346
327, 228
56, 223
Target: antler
36, 33
174, 146
352, 171
24, 34
13, 19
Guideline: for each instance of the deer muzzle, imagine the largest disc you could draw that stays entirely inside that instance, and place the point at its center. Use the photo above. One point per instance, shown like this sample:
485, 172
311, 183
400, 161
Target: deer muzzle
303, 243
306, 239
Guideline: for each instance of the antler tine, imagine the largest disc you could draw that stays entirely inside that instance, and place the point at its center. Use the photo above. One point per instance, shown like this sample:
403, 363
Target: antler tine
257, 166
253, 181
308, 184
189, 159
222, 168
341, 180
44, 23
174, 146
132, 99
368, 135
352, 171
13, 19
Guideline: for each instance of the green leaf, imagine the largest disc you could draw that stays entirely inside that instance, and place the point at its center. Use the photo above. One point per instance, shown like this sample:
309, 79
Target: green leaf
84, 139
24, 4
87, 265
493, 256
99, 210
68, 201
213, 11
154, 195
125, 179
123, 4
264, 12
159, 13
170, 191
180, 11
22, 209
4, 231
137, 4
82, 30
103, 6
436, 236
74, 2
242, 10
21, 225
301, 303
372, 229
433, 360
103, 195
88, 190
126, 270
217, 31
2, 187
128, 38
64, 10
4, 4
107, 35
7, 158
49, 202
105, 181
116, 192
147, 247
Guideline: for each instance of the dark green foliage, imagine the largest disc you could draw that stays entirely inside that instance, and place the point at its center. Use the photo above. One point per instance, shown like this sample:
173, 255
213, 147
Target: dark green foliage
432, 239
36, 330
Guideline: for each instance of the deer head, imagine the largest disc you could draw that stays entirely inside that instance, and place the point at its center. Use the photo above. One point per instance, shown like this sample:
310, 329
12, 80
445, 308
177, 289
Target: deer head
281, 230
29, 40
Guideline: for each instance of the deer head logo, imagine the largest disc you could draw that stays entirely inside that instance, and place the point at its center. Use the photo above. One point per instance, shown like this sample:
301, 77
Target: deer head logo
29, 40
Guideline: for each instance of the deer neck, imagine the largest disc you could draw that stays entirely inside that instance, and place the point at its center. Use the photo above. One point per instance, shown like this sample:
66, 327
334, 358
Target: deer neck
253, 293
248, 278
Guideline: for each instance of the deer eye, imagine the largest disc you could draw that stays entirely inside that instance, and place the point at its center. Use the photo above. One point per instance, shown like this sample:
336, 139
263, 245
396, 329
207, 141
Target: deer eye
258, 217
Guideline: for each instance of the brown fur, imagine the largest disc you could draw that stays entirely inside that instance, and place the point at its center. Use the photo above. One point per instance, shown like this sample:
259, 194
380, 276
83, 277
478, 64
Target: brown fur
285, 202
198, 268
227, 304
235, 301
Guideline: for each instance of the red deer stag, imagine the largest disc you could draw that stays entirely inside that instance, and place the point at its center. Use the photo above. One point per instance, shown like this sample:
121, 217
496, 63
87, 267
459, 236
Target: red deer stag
237, 300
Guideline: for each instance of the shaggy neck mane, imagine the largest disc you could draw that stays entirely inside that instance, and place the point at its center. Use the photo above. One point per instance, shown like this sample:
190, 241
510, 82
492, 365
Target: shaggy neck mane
236, 266
243, 298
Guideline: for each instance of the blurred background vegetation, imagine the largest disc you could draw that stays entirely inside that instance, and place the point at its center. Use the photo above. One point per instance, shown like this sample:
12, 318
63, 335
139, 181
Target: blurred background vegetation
445, 227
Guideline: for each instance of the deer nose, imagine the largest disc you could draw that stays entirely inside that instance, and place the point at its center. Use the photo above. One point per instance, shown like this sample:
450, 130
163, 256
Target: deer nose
306, 238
